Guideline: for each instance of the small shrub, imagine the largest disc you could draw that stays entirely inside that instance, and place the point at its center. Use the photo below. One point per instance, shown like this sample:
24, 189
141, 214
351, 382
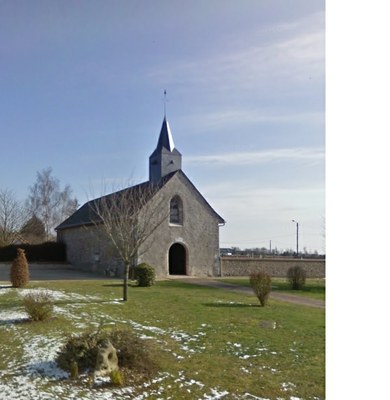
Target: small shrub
116, 377
20, 276
261, 285
145, 275
39, 305
296, 277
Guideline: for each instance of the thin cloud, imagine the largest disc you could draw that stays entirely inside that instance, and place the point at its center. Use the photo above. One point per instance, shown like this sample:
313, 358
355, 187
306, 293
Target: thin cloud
311, 155
294, 57
218, 120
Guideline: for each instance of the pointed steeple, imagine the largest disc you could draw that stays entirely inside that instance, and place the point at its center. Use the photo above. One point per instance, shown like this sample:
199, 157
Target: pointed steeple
165, 139
166, 158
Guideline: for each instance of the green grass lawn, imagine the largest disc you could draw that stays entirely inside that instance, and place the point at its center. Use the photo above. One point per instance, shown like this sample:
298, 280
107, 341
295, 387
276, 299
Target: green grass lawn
314, 288
211, 342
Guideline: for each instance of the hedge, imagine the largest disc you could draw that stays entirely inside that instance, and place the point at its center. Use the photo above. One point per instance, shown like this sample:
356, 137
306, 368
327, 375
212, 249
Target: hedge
45, 252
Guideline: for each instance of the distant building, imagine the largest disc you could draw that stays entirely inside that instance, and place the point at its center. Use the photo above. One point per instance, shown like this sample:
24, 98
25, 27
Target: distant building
186, 243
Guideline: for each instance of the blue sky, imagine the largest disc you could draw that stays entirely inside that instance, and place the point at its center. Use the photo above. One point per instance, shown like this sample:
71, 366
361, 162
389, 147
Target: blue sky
81, 90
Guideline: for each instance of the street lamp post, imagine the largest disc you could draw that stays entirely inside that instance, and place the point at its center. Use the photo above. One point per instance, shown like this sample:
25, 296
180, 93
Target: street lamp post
297, 233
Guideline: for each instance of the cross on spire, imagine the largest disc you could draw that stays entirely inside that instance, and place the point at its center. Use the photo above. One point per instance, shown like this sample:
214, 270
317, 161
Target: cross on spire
165, 103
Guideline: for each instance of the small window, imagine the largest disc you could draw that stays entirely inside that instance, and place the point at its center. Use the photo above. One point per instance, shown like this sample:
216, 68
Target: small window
176, 211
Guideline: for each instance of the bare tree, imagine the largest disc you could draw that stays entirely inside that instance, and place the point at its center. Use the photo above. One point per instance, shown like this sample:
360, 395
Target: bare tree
33, 231
128, 218
12, 217
49, 203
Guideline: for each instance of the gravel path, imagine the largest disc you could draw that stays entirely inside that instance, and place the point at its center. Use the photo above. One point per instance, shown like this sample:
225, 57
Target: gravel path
290, 298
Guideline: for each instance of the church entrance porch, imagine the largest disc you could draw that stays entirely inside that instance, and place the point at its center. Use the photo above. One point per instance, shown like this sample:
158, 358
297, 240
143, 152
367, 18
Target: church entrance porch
177, 260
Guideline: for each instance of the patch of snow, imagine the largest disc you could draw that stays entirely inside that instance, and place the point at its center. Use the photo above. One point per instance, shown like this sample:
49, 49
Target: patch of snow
215, 394
57, 295
11, 317
40, 353
285, 386
140, 327
252, 396
245, 353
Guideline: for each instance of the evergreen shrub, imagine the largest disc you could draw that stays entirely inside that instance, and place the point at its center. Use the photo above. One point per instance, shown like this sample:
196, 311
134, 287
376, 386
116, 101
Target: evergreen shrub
296, 277
20, 275
261, 285
145, 275
38, 305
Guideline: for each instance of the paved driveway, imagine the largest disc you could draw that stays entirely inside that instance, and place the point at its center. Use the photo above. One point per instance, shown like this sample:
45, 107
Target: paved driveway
50, 272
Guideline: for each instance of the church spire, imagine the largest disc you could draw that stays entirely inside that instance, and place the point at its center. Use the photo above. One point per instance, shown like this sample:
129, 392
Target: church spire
166, 139
165, 158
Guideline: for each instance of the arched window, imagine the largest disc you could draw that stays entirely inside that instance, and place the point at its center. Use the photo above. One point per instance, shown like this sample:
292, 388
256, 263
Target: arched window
176, 211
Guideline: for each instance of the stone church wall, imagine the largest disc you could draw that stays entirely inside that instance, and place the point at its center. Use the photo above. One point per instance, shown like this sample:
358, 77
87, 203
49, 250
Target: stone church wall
199, 234
87, 249
244, 266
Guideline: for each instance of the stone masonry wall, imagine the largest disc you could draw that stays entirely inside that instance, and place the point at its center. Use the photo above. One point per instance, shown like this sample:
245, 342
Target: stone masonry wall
89, 250
199, 233
244, 266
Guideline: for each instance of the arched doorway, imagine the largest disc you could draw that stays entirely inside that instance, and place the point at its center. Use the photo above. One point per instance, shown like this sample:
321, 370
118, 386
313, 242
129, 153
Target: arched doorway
177, 260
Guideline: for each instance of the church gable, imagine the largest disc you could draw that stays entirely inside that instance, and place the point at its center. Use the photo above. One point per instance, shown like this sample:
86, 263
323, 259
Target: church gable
181, 181
189, 234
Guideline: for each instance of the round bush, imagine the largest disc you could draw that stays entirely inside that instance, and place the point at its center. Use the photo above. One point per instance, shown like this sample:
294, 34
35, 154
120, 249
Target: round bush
296, 277
145, 275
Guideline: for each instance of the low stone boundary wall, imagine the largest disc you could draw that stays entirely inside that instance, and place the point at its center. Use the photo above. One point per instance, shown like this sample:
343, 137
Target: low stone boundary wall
277, 267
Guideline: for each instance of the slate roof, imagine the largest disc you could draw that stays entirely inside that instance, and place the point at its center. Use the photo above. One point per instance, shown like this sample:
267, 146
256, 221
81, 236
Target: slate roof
165, 139
85, 215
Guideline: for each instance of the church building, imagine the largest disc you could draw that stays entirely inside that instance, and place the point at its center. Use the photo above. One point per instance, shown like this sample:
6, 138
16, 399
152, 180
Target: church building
186, 242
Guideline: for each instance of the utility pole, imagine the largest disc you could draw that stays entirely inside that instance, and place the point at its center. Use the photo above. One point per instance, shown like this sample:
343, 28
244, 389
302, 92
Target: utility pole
270, 247
297, 233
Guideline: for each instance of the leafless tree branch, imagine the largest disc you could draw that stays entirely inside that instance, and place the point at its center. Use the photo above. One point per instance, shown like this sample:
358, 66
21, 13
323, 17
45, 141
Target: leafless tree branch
128, 218
12, 217
48, 202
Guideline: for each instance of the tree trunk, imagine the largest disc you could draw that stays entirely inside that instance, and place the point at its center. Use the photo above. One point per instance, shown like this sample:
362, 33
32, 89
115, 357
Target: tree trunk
126, 281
